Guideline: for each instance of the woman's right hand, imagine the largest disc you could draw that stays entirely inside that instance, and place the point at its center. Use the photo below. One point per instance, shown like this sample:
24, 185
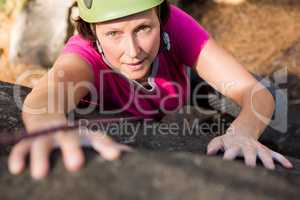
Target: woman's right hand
69, 142
52, 94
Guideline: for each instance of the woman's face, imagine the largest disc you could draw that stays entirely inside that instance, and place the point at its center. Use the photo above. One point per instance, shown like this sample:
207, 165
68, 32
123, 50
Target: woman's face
131, 43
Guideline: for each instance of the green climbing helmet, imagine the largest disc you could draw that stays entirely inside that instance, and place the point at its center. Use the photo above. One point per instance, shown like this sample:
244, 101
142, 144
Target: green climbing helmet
93, 11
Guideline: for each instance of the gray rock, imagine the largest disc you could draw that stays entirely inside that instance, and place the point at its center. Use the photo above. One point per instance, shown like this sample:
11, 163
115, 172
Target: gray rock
165, 165
154, 175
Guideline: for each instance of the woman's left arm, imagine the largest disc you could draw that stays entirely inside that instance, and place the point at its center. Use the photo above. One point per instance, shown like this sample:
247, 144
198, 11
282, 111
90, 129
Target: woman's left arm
227, 76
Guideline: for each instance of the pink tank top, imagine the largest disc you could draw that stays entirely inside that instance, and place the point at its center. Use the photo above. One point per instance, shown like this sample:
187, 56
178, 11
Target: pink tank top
168, 80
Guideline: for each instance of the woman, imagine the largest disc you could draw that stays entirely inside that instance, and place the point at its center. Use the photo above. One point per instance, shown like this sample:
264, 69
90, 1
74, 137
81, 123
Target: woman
136, 57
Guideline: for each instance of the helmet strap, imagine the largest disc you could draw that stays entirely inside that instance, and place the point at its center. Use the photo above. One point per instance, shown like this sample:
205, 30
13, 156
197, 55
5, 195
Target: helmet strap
100, 49
159, 10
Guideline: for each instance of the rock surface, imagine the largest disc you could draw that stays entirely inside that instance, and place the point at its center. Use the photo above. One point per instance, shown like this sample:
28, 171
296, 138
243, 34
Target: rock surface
255, 32
165, 165
40, 32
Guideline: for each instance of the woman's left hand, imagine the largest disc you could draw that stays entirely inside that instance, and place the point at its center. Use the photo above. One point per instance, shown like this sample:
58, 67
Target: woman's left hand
235, 145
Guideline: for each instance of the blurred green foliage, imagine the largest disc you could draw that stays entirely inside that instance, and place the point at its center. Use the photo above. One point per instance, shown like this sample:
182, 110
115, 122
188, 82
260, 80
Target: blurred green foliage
2, 3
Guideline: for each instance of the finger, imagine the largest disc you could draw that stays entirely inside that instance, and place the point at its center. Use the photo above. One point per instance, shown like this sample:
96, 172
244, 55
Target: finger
281, 159
266, 158
250, 156
86, 141
39, 157
106, 140
69, 143
231, 153
107, 148
16, 159
214, 146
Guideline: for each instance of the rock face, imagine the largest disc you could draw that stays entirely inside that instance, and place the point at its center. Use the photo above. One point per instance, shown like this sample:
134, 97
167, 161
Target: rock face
289, 59
147, 175
166, 165
39, 32
255, 32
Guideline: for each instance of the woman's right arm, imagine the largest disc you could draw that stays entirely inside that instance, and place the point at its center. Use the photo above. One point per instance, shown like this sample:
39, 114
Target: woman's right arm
46, 106
49, 99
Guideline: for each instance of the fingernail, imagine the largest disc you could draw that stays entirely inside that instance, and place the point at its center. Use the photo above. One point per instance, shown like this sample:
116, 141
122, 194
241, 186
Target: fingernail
37, 175
15, 168
272, 167
112, 154
208, 151
251, 165
74, 162
289, 165
38, 171
126, 148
